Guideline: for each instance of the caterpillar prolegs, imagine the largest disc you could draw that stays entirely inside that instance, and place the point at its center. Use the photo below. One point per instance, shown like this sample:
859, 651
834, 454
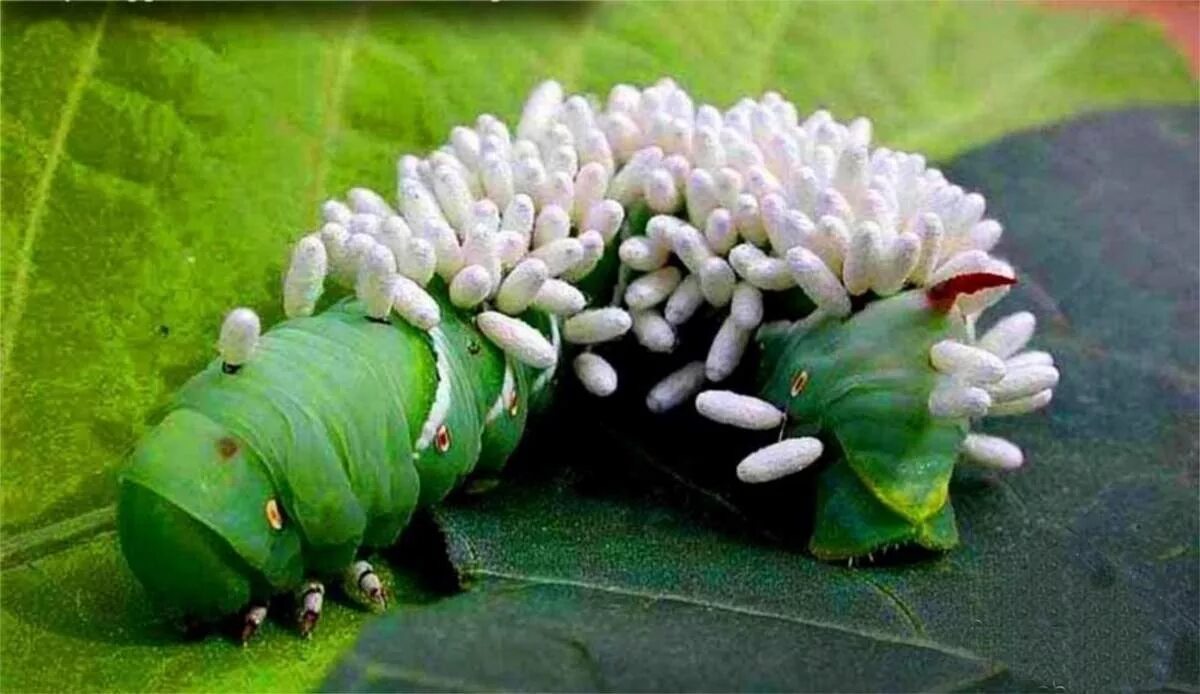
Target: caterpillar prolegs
854, 276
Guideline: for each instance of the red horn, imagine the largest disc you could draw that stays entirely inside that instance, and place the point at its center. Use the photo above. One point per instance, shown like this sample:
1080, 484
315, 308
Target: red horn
943, 295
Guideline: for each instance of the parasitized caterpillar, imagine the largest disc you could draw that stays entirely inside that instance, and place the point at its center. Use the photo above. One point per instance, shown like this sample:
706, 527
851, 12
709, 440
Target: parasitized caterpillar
298, 449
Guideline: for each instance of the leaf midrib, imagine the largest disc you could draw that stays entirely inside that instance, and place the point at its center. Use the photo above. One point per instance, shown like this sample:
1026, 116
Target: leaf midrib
881, 637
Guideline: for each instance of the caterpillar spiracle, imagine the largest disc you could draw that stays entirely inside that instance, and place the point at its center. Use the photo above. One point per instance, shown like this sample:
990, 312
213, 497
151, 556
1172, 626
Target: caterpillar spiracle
504, 254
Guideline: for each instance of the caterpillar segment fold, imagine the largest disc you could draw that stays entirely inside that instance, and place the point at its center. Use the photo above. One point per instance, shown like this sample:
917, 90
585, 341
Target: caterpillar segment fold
426, 324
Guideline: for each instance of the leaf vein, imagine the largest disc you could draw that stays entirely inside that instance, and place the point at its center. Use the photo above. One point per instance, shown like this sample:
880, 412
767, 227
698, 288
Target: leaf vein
41, 193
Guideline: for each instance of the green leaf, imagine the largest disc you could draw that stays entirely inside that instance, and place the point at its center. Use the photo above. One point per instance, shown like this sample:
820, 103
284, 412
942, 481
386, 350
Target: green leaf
158, 160
637, 569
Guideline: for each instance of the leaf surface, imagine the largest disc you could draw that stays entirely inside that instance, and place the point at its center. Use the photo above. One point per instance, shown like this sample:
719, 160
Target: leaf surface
159, 159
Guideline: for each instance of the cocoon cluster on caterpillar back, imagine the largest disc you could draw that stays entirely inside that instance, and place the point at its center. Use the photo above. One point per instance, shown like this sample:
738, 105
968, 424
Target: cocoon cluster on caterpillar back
836, 268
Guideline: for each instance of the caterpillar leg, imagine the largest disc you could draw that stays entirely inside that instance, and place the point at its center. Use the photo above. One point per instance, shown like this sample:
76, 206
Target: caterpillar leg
362, 584
311, 599
252, 620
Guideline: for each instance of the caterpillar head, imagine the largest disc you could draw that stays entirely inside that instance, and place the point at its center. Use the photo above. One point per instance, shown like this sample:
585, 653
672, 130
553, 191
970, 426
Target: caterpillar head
198, 519
864, 385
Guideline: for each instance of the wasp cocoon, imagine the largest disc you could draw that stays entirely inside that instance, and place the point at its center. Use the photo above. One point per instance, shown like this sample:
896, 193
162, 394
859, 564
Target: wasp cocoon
653, 331
239, 336
652, 289
929, 229
985, 235
1023, 405
627, 184
734, 409
690, 246
518, 339
485, 216
1030, 358
831, 242
818, 282
953, 399
559, 256
1009, 335
684, 301
512, 248
374, 285
365, 223
497, 180
590, 185
470, 286
418, 205
559, 298
367, 200
785, 228
394, 233
605, 217
481, 248
893, 272
595, 373
305, 279
552, 224
597, 325
335, 237
726, 351
660, 191
746, 310
748, 220
539, 110
446, 247
593, 251
1023, 382
595, 149
992, 452
779, 460
771, 274
418, 261
717, 281
560, 187
519, 288
701, 196
964, 263
414, 304
742, 258
518, 216
673, 390
971, 364
642, 254
720, 232
336, 211
707, 151
858, 270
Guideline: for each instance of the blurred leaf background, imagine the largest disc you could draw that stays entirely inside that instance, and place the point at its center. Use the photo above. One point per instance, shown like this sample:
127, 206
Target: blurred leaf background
158, 159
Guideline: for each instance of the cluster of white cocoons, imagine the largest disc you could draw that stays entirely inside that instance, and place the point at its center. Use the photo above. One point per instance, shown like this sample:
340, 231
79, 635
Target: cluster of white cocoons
748, 200
994, 377
507, 220
754, 199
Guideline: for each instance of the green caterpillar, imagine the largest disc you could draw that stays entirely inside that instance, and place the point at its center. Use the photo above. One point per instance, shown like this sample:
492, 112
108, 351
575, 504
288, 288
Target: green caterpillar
301, 447
317, 447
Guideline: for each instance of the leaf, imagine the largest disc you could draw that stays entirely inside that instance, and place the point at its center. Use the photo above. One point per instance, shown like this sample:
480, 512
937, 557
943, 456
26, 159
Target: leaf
1080, 572
158, 160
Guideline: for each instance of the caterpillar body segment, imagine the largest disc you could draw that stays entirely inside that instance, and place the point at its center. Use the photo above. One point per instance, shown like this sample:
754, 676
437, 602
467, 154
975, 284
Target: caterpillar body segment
324, 426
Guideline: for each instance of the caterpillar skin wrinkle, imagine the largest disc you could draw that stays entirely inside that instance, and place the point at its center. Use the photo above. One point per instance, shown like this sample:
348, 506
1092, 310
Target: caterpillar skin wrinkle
504, 254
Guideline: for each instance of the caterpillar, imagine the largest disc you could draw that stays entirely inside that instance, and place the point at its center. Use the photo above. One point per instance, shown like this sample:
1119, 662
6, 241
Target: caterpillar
854, 276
